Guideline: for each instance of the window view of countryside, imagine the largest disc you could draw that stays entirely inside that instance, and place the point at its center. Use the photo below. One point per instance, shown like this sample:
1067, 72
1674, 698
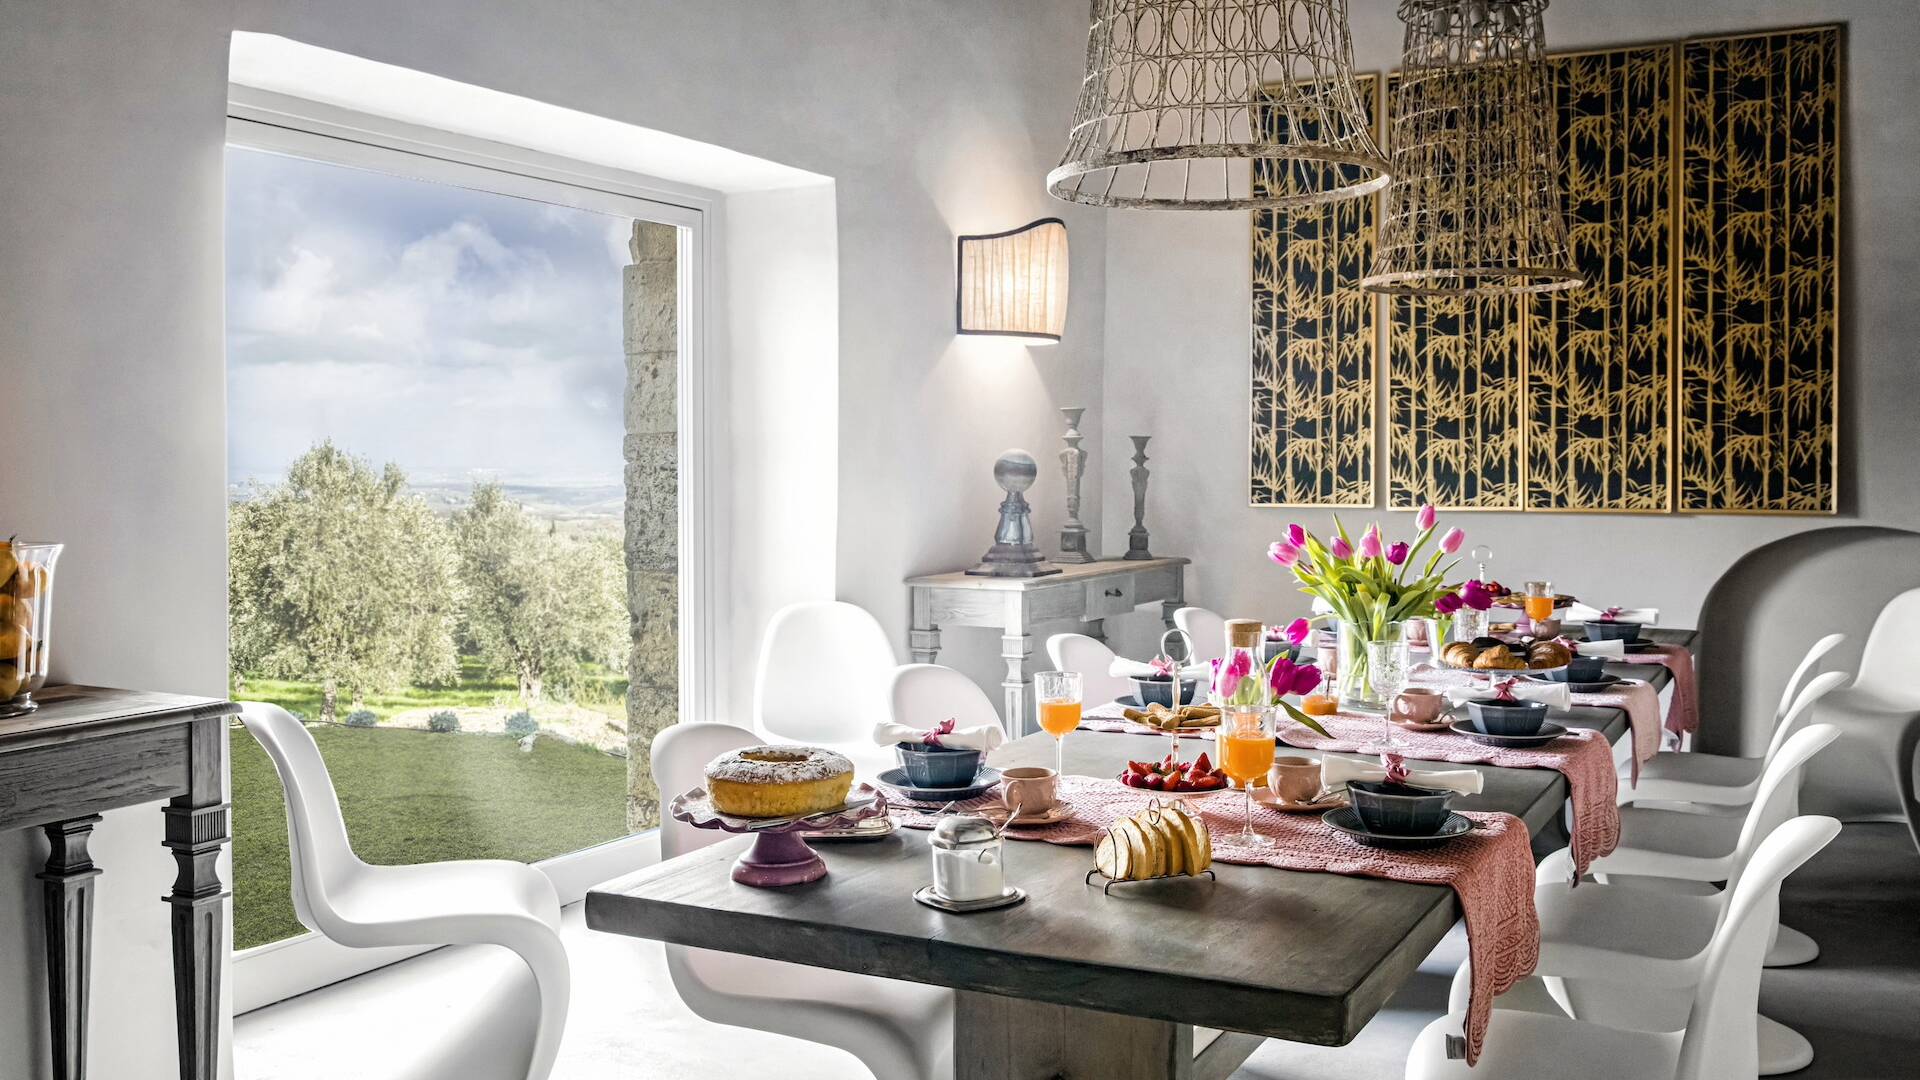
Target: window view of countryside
425, 392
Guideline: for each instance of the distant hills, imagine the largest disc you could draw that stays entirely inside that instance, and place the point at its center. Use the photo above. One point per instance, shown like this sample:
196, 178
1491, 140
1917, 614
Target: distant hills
583, 503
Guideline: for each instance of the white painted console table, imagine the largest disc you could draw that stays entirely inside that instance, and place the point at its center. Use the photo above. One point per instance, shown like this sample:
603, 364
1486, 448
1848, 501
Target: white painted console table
1087, 593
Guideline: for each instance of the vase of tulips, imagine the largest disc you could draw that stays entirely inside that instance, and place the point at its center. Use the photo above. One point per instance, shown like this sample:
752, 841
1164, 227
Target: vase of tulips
1371, 586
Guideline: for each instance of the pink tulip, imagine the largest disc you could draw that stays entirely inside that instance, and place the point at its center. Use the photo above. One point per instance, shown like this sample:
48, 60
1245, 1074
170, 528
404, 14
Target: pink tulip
1476, 596
1341, 549
1451, 542
1280, 678
1233, 672
1283, 553
1297, 631
1446, 603
1397, 554
1296, 536
1305, 678
1426, 517
1370, 545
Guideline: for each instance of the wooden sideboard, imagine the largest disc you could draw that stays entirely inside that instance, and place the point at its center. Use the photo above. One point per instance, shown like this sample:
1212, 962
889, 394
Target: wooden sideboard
90, 749
1087, 593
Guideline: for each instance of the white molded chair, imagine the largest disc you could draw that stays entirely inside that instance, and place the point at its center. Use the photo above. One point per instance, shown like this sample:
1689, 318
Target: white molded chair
822, 680
922, 695
1206, 628
899, 1030
1719, 1041
1879, 720
1719, 779
1629, 956
1094, 661
469, 902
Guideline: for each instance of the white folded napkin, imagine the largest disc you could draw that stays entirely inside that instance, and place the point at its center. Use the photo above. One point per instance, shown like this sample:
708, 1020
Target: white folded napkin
1556, 695
979, 737
1614, 649
1123, 668
1336, 771
1579, 612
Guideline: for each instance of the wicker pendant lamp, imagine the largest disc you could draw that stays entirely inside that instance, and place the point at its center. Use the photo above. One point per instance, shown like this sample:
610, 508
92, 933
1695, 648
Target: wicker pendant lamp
1182, 97
1474, 208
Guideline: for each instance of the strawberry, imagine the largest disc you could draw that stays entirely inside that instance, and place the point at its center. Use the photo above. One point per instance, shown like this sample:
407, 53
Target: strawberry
1201, 764
1156, 782
1139, 768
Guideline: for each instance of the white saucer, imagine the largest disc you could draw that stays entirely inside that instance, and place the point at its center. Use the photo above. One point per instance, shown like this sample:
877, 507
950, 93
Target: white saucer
932, 899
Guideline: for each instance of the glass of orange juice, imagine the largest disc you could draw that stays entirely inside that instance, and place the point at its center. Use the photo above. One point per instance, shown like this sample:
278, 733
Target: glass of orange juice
1244, 744
1058, 693
1539, 600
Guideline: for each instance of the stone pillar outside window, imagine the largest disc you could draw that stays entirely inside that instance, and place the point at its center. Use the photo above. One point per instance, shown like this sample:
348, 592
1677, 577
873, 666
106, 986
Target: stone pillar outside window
652, 301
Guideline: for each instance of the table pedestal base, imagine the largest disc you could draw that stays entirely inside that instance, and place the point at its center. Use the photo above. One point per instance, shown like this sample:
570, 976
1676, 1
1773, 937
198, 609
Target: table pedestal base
779, 858
1001, 1038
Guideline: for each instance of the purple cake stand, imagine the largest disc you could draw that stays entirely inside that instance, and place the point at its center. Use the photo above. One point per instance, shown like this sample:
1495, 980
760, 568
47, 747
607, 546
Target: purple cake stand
779, 855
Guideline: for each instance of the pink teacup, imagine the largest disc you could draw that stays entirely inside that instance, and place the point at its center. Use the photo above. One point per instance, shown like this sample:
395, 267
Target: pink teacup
1035, 790
1418, 705
1294, 779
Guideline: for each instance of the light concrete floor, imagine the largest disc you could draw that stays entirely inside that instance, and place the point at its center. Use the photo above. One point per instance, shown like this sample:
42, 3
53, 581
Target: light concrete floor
1860, 899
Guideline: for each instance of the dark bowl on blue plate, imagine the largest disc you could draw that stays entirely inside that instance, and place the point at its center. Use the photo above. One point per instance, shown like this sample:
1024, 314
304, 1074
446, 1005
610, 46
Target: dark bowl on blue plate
938, 766
1580, 669
1159, 691
1602, 630
1399, 809
1507, 717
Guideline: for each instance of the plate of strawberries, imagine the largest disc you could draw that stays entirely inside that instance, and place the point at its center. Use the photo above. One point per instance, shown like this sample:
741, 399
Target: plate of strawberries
1180, 779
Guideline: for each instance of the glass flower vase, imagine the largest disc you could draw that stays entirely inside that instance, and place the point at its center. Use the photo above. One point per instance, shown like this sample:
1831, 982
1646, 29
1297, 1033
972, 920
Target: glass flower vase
1360, 689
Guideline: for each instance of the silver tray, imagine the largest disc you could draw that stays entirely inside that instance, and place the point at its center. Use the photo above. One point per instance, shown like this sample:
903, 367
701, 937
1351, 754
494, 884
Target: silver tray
927, 896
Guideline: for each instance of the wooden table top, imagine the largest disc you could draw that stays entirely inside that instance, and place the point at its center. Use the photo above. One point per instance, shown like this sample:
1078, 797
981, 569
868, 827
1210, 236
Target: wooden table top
1288, 954
960, 579
71, 711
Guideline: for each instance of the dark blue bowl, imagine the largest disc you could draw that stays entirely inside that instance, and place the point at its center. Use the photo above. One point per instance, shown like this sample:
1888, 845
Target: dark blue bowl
938, 766
1399, 809
1581, 669
1160, 691
1601, 630
1282, 648
1507, 718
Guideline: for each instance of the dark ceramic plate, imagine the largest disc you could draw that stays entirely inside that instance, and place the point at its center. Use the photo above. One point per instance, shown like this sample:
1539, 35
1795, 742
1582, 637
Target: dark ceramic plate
1600, 685
1549, 731
1346, 821
896, 778
1638, 644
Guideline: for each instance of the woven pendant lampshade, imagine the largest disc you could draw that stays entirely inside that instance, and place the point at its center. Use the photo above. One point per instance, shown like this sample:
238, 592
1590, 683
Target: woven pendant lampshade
1181, 97
1474, 208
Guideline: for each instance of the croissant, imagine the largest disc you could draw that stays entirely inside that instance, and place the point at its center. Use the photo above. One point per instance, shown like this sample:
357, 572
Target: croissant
1548, 654
1498, 658
1460, 654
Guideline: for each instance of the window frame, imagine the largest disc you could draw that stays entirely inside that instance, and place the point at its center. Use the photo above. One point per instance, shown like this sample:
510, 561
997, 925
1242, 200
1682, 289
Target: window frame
276, 123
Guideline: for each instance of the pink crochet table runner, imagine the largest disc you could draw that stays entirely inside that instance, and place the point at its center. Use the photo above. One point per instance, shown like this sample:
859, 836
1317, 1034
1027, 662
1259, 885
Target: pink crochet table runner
1638, 700
1490, 869
1684, 717
1583, 757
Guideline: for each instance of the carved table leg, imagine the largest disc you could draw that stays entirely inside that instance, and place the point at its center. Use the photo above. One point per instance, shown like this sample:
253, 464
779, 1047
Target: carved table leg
68, 893
196, 831
1016, 645
924, 639
1095, 629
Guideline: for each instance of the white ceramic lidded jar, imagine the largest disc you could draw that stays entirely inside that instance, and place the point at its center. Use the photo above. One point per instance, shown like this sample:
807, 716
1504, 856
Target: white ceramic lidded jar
967, 863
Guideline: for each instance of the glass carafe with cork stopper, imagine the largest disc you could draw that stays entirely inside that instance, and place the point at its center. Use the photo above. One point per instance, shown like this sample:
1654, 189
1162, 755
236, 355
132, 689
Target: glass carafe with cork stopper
1240, 687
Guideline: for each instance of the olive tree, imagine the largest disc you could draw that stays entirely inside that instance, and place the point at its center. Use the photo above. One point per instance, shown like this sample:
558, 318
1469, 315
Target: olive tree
339, 576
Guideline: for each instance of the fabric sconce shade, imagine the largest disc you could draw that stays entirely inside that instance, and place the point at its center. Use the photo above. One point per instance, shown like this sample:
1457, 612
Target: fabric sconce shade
1014, 283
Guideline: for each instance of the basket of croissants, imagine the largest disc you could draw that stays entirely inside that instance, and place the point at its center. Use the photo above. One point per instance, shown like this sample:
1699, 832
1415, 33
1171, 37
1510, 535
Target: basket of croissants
1492, 654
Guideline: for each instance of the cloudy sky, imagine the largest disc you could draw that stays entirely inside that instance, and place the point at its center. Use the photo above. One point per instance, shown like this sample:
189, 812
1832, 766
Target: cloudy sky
455, 332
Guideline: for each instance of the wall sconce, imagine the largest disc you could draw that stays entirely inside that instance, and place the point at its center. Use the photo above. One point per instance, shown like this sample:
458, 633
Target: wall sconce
1014, 283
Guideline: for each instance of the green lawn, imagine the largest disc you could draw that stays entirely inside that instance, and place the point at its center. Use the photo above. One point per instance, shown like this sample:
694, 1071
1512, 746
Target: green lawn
475, 687
411, 796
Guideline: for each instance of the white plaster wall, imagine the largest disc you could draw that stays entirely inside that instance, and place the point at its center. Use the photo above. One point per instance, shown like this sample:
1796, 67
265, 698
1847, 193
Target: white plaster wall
934, 118
1178, 305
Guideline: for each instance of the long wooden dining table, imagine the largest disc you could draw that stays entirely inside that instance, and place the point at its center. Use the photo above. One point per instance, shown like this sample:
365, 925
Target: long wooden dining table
1180, 978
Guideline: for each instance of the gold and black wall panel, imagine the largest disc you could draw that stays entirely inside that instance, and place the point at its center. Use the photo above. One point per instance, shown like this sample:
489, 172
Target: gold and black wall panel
1599, 414
1758, 298
1313, 392
1455, 371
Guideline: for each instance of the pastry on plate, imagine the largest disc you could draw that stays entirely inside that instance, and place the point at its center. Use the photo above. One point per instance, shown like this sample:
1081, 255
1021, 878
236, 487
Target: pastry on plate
1498, 658
1548, 654
779, 781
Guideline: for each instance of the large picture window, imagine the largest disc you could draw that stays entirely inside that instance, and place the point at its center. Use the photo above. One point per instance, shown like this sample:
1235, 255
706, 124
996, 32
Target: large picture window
428, 388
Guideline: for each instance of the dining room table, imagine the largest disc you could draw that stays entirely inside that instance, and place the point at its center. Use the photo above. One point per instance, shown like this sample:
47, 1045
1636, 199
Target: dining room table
1171, 979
